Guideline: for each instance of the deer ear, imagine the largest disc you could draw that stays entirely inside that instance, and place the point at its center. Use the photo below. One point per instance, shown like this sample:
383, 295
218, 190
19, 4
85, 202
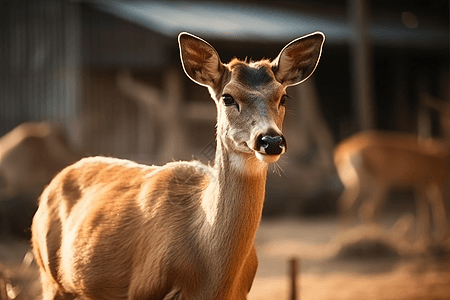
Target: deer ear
298, 59
200, 60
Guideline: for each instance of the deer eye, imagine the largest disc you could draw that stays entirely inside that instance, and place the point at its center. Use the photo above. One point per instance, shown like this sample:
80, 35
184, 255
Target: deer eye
283, 100
228, 100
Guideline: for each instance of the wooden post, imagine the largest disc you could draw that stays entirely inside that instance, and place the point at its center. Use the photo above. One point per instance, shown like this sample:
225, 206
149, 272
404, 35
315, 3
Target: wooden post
362, 65
317, 130
294, 266
174, 146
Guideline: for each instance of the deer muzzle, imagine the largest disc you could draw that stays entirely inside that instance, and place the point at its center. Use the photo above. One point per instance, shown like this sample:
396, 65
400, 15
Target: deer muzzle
269, 148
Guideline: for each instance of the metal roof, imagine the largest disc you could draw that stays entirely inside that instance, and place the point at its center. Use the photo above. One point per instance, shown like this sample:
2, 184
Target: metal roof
250, 22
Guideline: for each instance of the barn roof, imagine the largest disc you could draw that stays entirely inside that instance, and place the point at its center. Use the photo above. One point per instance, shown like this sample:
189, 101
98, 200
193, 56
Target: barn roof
250, 22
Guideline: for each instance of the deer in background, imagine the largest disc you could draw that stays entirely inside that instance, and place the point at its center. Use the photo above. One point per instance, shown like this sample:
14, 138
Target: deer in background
113, 229
30, 156
370, 163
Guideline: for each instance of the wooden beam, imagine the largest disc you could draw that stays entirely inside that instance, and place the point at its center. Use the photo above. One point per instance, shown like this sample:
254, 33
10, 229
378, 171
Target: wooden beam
361, 65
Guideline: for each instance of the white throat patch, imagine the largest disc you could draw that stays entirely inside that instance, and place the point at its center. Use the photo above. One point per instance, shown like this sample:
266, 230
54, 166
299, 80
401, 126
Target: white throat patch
246, 166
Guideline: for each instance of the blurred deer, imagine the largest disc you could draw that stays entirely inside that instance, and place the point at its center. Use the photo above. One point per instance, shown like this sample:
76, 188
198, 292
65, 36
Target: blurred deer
113, 229
30, 155
442, 108
370, 163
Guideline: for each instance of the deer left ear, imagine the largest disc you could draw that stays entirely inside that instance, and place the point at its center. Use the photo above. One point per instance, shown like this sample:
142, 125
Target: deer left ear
200, 60
298, 59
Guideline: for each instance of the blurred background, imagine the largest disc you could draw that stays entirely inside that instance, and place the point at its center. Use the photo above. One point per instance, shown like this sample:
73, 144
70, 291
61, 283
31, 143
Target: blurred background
104, 78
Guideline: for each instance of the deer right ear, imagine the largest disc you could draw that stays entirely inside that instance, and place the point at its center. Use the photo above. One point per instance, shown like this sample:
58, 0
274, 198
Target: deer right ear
298, 60
200, 60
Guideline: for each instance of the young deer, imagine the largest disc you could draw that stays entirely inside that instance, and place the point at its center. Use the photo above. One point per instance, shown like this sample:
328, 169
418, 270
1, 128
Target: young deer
112, 229
370, 163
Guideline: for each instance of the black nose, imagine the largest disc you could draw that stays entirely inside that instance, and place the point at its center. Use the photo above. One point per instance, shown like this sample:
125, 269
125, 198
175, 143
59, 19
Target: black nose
272, 145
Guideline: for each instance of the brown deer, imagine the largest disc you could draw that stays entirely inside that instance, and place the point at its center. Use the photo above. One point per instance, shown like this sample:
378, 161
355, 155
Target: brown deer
30, 156
370, 163
113, 229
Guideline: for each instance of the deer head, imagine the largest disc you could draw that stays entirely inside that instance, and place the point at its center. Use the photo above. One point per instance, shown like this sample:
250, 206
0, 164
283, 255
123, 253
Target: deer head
251, 96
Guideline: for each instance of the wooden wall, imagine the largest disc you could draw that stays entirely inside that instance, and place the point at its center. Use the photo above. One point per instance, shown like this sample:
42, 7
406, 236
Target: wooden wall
39, 59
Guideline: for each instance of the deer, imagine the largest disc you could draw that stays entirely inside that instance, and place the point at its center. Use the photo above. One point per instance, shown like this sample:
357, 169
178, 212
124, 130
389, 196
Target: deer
108, 228
370, 163
31, 154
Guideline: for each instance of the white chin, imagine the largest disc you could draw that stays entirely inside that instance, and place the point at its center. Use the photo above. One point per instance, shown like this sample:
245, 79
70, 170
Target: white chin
267, 158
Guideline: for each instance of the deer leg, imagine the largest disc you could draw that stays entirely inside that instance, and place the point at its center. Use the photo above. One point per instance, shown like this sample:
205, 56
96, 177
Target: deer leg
370, 210
347, 202
51, 290
437, 200
423, 216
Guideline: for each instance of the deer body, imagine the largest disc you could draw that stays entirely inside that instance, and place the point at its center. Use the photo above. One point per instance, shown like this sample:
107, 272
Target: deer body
112, 229
370, 163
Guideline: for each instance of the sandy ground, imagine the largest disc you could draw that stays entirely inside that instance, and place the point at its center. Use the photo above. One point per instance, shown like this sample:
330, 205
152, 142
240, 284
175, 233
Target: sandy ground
334, 264
331, 268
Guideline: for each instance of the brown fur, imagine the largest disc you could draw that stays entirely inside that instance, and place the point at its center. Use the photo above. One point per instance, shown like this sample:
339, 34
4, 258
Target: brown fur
376, 161
113, 229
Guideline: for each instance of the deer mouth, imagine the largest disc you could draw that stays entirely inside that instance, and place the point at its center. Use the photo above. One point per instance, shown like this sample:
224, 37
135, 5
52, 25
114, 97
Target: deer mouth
267, 158
261, 154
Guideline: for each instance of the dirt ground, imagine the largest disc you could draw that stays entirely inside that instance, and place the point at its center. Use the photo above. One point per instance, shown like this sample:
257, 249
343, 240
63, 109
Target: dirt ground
366, 262
379, 262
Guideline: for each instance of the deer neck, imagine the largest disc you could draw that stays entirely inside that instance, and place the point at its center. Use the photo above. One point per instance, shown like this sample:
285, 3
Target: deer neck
236, 191
232, 206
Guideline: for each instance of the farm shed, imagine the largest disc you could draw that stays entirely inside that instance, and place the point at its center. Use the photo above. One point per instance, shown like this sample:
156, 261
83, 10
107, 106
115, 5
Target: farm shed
109, 71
